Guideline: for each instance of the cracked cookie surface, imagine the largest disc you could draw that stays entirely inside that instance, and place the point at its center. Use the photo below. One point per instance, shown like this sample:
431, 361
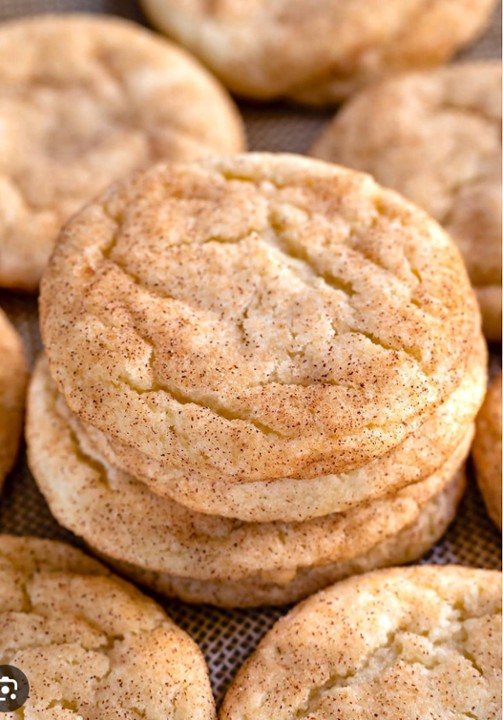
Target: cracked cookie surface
255, 317
85, 100
122, 520
266, 50
13, 379
92, 646
401, 643
487, 450
436, 138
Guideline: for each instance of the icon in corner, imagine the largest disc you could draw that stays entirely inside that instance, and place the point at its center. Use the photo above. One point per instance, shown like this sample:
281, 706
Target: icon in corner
14, 688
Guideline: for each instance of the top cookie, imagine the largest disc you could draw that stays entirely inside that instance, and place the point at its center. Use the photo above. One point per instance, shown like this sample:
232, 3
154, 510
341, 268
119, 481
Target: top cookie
256, 317
84, 100
317, 52
436, 138
91, 645
13, 378
401, 644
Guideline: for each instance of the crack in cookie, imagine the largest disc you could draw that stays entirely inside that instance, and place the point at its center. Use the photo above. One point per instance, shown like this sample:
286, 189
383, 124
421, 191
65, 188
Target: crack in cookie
91, 643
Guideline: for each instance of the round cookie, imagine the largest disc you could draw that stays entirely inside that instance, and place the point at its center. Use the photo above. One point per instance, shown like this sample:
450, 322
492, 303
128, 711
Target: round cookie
90, 644
487, 450
84, 100
210, 559
400, 643
436, 138
13, 378
255, 317
318, 52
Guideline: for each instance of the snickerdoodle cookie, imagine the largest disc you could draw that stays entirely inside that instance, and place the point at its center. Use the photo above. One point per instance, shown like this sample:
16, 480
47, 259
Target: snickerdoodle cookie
255, 317
13, 377
83, 101
317, 52
205, 558
91, 645
420, 642
436, 138
487, 450
286, 499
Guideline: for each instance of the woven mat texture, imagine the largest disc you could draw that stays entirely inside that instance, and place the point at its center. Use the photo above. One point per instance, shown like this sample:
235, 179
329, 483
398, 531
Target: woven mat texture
228, 637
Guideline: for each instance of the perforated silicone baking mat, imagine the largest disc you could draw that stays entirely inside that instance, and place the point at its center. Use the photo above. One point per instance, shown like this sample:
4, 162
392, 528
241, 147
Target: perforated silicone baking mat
227, 637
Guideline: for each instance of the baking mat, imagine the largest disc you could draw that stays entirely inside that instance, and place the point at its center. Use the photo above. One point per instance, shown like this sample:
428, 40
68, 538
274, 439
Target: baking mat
228, 636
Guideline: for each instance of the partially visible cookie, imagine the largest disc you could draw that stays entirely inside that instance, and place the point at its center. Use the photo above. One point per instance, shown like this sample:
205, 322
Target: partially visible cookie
85, 100
279, 588
298, 499
487, 450
317, 52
204, 558
91, 645
436, 138
13, 378
401, 644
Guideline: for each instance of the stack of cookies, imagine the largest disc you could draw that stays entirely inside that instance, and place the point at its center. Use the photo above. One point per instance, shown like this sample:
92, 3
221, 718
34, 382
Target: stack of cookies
263, 378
